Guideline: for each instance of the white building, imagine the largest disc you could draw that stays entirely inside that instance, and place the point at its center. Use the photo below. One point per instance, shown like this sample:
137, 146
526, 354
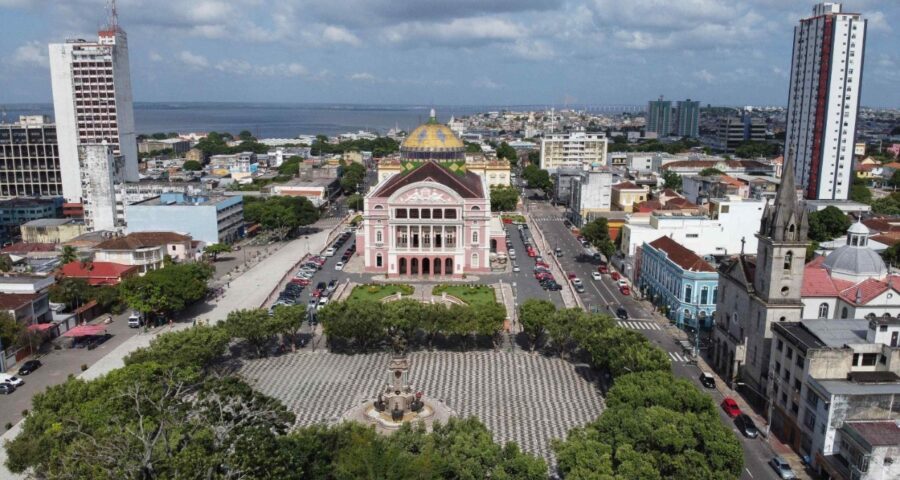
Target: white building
731, 225
100, 171
590, 193
92, 102
576, 149
823, 99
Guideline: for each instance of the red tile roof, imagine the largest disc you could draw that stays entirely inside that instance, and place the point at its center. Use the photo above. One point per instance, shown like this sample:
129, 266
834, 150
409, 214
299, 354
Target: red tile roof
883, 224
12, 301
681, 256
817, 282
626, 185
137, 240
467, 185
887, 239
23, 248
98, 273
647, 206
679, 203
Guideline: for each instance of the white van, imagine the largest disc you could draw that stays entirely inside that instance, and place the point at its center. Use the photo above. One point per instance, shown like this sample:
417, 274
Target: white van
134, 320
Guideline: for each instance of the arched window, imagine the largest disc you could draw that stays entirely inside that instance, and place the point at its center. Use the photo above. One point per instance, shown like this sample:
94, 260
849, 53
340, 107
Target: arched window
379, 207
704, 295
788, 260
688, 293
476, 208
474, 260
823, 310
474, 236
844, 312
378, 236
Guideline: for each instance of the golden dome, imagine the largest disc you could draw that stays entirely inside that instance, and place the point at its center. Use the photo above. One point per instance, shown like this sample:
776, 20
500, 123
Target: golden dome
432, 136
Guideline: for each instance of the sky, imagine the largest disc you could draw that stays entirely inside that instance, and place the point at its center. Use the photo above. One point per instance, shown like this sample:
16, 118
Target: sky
444, 52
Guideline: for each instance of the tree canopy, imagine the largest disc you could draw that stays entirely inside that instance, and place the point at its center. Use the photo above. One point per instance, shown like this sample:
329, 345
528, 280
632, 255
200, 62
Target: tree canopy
380, 147
597, 233
750, 149
215, 143
711, 171
168, 290
280, 214
507, 152
192, 166
828, 224
504, 198
353, 176
537, 178
672, 180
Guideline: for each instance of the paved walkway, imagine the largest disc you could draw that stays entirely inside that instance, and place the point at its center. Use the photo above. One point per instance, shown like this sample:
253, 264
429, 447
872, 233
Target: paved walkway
249, 290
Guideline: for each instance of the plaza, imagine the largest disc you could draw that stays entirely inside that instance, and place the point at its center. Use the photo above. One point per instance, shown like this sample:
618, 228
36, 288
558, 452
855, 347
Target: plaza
521, 397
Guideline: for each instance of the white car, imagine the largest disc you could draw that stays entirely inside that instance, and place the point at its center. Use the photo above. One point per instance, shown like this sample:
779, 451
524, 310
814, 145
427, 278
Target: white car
323, 301
329, 252
339, 266
516, 267
596, 276
11, 379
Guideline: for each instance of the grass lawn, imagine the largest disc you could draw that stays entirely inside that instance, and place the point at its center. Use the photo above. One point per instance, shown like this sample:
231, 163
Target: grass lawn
377, 292
474, 295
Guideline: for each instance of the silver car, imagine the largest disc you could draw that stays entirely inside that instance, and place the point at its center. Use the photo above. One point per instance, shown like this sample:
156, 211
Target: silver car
782, 468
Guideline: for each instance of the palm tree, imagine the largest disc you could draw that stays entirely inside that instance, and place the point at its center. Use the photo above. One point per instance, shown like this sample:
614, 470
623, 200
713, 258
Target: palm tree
68, 255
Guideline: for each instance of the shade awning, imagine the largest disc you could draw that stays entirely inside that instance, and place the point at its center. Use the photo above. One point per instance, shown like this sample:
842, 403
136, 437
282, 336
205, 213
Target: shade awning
85, 330
40, 327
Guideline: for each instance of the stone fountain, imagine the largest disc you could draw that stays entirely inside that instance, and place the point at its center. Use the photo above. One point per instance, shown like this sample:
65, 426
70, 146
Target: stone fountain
397, 403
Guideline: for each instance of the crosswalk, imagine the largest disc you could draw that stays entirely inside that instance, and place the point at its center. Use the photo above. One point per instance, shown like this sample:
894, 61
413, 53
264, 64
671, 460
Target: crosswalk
677, 357
548, 219
639, 325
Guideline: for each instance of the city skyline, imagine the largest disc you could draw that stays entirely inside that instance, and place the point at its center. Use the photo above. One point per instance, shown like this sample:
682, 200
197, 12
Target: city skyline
453, 53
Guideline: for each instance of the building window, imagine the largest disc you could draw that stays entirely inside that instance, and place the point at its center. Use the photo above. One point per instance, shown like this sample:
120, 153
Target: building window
779, 345
790, 353
844, 312
476, 208
688, 293
426, 213
809, 419
823, 310
869, 359
474, 260
475, 236
378, 260
450, 213
400, 213
413, 213
715, 294
437, 213
378, 237
704, 295
788, 259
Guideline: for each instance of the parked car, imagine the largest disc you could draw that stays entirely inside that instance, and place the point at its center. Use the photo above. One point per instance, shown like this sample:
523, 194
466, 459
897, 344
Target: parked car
745, 425
6, 388
300, 281
531, 252
731, 407
596, 276
782, 468
622, 282
339, 266
622, 313
558, 252
323, 301
516, 268
707, 380
11, 379
602, 268
134, 320
624, 290
615, 275
542, 276
332, 285
571, 276
552, 286
29, 367
329, 252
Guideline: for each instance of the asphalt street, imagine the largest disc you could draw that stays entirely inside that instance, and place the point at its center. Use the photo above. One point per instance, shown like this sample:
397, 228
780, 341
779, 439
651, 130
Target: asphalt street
603, 293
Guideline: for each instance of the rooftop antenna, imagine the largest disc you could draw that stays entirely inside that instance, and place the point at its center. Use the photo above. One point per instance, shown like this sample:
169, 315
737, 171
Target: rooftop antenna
113, 14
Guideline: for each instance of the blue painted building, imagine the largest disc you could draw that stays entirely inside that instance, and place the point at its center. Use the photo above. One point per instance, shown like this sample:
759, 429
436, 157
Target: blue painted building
678, 280
216, 219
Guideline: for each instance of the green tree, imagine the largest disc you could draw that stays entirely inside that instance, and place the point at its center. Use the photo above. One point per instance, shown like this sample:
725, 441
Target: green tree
67, 255
192, 166
199, 346
215, 249
534, 315
253, 326
168, 290
287, 321
711, 171
507, 152
537, 178
860, 193
472, 147
353, 177
534, 157
10, 330
504, 198
894, 181
889, 205
281, 215
6, 263
72, 292
828, 224
597, 233
355, 202
672, 180
891, 255
291, 166
756, 149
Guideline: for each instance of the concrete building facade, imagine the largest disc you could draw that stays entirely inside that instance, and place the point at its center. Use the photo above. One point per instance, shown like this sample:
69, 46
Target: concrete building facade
659, 117
575, 149
823, 99
590, 193
92, 102
687, 118
205, 218
29, 158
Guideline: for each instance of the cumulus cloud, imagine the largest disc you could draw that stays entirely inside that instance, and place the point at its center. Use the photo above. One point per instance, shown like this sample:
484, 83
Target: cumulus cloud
193, 60
332, 34
31, 54
361, 77
243, 67
705, 76
472, 31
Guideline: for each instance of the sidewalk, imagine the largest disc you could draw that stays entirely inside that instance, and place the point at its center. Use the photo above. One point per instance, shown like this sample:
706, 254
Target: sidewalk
249, 290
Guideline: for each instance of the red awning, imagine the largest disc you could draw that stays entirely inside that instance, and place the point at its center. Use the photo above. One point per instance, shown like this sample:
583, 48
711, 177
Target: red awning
40, 327
85, 330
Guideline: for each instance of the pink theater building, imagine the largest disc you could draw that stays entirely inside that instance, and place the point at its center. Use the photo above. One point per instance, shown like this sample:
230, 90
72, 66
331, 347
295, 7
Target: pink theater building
433, 219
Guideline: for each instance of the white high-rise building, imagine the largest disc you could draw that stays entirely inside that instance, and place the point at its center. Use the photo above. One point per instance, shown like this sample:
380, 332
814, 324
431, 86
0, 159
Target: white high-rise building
576, 149
92, 102
100, 172
823, 99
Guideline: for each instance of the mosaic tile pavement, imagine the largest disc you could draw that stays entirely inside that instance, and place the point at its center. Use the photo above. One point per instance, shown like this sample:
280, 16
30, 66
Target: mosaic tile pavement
520, 397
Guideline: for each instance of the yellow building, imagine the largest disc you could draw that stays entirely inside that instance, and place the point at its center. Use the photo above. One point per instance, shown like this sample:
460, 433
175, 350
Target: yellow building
626, 194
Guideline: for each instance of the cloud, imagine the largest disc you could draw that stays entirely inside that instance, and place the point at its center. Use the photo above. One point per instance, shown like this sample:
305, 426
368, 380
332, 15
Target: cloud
243, 67
705, 76
155, 57
361, 77
472, 31
487, 83
30, 54
193, 60
334, 34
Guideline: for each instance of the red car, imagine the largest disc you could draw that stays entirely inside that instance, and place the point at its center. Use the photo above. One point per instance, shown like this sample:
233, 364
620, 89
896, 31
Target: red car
300, 281
531, 252
542, 264
731, 407
625, 290
615, 275
542, 275
603, 268
572, 276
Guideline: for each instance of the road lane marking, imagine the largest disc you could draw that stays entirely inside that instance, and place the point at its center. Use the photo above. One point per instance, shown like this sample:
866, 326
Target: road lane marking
748, 472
